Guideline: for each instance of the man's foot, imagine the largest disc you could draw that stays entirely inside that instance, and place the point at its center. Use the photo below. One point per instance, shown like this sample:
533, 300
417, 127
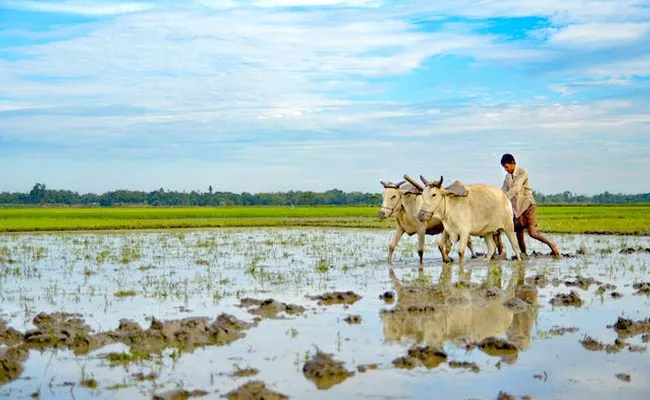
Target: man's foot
554, 251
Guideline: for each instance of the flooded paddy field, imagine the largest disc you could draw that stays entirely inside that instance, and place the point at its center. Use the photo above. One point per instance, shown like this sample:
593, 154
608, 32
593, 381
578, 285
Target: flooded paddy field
318, 314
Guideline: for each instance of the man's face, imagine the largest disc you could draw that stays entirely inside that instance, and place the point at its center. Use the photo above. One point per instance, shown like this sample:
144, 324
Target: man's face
510, 168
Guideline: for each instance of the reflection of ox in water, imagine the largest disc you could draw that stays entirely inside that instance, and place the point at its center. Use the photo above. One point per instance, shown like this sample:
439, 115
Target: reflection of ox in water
403, 203
464, 313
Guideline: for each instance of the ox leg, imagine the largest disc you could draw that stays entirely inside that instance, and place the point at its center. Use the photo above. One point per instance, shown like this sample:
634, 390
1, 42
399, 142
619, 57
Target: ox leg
444, 246
393, 244
489, 239
471, 247
462, 246
421, 246
513, 243
499, 242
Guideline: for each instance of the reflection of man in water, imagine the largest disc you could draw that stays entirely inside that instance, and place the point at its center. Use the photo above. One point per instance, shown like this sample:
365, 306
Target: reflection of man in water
517, 188
461, 313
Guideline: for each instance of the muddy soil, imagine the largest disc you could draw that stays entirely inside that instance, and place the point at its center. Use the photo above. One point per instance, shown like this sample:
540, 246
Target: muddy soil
472, 366
428, 356
388, 297
561, 331
180, 394
65, 330
624, 377
324, 371
496, 347
642, 288
270, 308
366, 367
255, 390
582, 282
566, 300
331, 298
353, 319
626, 328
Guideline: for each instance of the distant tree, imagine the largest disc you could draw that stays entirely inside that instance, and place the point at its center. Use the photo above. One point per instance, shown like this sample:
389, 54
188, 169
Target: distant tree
37, 194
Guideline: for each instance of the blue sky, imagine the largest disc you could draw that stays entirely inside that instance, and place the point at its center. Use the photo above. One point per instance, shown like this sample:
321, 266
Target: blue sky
275, 95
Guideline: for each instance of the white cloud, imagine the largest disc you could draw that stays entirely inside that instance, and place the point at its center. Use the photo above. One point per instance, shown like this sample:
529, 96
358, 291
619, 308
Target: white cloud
94, 8
598, 35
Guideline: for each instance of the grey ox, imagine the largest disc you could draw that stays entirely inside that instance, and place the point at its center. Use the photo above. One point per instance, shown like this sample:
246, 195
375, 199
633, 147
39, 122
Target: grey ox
404, 204
477, 210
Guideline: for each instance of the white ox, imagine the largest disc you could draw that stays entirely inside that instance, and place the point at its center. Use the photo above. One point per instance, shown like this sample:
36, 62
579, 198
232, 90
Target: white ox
477, 210
404, 205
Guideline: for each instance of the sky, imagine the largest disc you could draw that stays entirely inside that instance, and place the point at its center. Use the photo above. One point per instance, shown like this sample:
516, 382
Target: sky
277, 95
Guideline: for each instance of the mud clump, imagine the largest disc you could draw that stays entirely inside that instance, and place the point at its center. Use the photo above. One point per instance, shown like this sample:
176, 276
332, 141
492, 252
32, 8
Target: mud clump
56, 330
537, 280
628, 328
353, 319
8, 335
271, 308
624, 377
180, 394
11, 363
365, 367
603, 288
565, 300
558, 331
631, 250
642, 288
331, 298
324, 371
244, 372
582, 282
645, 338
496, 347
255, 390
472, 366
387, 297
507, 396
428, 356
591, 344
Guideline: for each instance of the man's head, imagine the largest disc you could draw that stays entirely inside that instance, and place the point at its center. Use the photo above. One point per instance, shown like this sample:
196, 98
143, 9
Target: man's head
508, 163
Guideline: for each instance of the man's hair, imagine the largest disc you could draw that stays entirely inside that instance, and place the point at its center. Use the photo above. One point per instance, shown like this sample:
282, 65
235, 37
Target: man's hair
507, 159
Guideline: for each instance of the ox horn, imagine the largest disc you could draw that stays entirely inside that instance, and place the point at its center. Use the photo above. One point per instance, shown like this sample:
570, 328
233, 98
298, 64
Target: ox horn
384, 184
425, 181
413, 182
400, 184
438, 184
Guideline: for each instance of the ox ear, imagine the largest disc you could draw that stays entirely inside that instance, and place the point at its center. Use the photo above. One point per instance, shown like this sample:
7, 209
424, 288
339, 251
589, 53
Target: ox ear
457, 189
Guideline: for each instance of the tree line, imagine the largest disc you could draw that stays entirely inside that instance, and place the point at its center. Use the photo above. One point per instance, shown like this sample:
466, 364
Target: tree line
40, 195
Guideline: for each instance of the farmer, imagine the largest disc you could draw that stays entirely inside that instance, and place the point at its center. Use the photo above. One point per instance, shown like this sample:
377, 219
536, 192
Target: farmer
517, 188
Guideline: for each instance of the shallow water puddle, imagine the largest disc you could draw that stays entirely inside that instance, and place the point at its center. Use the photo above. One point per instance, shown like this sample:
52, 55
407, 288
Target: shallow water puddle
318, 313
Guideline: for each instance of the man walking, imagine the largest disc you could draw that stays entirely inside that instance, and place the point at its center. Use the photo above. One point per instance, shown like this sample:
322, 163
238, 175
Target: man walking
517, 188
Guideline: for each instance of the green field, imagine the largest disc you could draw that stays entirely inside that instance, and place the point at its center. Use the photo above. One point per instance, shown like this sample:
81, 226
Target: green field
633, 219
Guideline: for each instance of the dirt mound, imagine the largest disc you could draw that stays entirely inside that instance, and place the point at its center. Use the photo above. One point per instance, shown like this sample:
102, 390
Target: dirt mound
180, 394
56, 330
605, 287
582, 282
330, 298
387, 297
565, 300
428, 356
537, 280
560, 331
628, 328
270, 308
496, 347
472, 366
353, 319
365, 367
9, 336
11, 363
642, 288
255, 390
324, 371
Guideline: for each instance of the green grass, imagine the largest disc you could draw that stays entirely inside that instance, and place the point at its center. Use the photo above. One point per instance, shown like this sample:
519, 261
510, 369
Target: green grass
634, 219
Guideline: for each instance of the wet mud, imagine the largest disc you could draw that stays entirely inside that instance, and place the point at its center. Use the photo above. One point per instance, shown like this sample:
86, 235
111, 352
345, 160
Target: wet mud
566, 300
324, 371
270, 308
367, 367
626, 328
642, 288
561, 331
353, 319
331, 298
471, 366
180, 394
65, 330
255, 390
623, 377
